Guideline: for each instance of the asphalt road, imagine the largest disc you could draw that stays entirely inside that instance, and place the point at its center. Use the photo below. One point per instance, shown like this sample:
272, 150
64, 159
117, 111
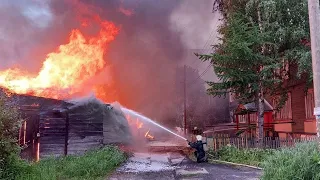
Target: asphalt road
219, 172
146, 166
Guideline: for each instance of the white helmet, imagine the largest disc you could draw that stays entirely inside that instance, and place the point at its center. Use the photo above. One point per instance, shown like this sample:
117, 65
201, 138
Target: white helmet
199, 138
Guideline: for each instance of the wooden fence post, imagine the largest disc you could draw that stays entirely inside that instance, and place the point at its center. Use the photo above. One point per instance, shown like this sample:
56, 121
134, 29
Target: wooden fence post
24, 132
66, 137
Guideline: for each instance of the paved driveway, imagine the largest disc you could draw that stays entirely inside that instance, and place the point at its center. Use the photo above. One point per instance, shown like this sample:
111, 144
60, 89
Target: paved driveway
173, 166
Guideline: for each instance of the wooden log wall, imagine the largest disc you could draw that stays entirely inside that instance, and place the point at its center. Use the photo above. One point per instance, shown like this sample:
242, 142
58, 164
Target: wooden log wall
69, 133
59, 133
52, 134
85, 132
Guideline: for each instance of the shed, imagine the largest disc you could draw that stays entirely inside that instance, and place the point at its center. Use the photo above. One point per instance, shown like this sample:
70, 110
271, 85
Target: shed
246, 116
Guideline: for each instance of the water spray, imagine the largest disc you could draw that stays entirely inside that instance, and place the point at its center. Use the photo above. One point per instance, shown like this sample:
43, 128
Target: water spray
151, 121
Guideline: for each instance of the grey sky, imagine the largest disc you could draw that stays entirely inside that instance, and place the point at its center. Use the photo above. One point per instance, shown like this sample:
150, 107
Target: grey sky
20, 20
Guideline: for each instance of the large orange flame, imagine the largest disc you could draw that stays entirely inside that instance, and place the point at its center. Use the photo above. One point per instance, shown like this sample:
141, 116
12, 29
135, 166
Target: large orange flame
138, 125
67, 68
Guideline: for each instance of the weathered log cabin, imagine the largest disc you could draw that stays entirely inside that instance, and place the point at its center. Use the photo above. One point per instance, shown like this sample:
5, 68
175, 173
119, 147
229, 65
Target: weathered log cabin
55, 127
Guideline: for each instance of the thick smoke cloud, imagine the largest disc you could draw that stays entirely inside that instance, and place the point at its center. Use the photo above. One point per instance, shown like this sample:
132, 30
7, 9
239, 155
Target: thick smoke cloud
198, 26
145, 54
29, 31
143, 58
18, 31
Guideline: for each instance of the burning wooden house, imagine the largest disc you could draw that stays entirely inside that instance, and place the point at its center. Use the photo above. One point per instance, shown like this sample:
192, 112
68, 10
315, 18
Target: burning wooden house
55, 127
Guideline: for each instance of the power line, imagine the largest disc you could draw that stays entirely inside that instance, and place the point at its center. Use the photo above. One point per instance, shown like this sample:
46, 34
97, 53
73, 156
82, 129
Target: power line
201, 75
207, 45
211, 38
204, 72
208, 67
209, 41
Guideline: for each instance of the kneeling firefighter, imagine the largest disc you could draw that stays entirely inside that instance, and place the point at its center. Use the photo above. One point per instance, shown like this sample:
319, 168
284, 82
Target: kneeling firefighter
200, 154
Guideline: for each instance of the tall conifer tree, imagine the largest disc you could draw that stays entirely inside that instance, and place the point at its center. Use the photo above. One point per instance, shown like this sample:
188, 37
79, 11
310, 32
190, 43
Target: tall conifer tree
259, 39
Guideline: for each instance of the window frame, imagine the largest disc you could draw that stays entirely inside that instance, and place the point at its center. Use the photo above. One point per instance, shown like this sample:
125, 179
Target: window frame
285, 114
309, 104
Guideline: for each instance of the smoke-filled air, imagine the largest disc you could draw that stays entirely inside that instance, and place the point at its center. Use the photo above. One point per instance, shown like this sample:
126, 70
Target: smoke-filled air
129, 51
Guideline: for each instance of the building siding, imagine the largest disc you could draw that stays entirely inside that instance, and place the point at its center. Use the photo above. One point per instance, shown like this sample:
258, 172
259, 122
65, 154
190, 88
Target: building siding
298, 108
310, 126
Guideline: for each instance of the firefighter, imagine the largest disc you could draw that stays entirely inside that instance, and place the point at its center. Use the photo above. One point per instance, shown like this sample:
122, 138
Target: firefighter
200, 154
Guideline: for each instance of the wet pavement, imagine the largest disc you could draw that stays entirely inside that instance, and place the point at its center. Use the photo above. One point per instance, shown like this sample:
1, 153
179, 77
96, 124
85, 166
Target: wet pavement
217, 171
147, 162
174, 166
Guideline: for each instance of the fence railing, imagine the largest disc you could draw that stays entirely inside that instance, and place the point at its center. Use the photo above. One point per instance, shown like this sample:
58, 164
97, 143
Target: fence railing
215, 143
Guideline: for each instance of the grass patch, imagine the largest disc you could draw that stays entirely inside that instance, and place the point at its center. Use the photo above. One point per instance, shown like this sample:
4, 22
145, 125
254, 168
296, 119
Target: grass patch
253, 157
93, 165
301, 162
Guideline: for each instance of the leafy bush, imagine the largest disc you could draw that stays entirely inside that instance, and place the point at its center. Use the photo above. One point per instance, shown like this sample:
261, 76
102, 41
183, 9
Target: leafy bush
14, 167
10, 121
301, 162
252, 157
93, 165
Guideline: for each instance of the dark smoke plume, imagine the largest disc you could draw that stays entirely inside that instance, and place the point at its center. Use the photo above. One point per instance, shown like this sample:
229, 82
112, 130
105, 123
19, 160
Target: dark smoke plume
29, 31
145, 54
143, 59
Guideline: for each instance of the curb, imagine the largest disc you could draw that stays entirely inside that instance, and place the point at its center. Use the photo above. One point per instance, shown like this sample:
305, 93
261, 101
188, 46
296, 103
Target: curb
236, 164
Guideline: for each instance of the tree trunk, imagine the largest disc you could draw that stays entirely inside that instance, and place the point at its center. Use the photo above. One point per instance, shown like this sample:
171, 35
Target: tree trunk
260, 122
260, 104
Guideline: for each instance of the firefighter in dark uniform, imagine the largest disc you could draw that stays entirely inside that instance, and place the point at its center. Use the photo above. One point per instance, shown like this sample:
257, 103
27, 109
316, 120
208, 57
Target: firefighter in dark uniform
200, 154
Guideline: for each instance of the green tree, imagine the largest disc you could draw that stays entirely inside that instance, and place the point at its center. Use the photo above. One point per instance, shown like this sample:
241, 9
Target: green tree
259, 39
288, 25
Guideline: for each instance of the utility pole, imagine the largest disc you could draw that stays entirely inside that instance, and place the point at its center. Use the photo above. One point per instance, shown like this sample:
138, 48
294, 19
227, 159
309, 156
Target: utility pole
314, 21
185, 100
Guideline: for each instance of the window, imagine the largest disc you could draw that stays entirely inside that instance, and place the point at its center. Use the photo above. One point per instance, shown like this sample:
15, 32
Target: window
253, 117
285, 113
309, 104
245, 118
